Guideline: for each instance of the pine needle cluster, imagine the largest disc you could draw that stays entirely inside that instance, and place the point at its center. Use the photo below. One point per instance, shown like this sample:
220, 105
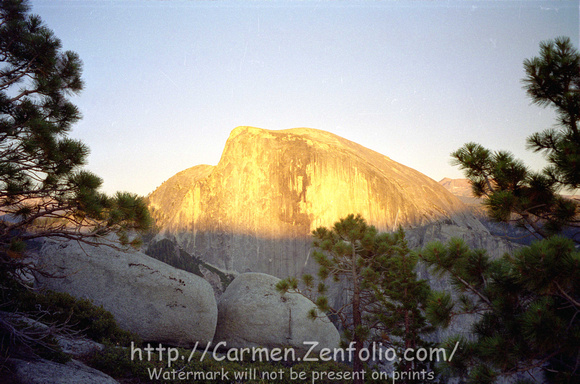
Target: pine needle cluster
44, 190
511, 191
385, 301
527, 307
527, 304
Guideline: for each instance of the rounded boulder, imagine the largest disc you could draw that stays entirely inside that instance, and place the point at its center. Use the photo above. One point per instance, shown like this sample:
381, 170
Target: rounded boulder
146, 296
252, 313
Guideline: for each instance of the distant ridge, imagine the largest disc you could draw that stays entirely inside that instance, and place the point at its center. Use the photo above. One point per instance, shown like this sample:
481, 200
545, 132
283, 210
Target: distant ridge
462, 189
459, 187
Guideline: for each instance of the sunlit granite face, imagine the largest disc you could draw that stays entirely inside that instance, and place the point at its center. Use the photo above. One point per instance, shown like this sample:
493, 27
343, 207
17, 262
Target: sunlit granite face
255, 210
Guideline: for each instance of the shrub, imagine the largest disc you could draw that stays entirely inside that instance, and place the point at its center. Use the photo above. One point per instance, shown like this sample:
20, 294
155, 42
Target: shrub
81, 315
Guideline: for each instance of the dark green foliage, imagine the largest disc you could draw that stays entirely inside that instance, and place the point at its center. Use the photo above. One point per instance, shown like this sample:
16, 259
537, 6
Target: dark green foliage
553, 79
18, 337
401, 298
61, 312
45, 347
439, 309
528, 305
61, 308
80, 314
44, 190
513, 193
386, 301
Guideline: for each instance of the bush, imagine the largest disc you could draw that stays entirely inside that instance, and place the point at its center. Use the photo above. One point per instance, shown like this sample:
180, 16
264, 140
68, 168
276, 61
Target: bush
80, 314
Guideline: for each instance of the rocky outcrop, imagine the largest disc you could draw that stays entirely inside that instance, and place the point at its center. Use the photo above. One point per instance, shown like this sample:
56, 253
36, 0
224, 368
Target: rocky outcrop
158, 302
48, 372
253, 313
255, 210
170, 253
444, 231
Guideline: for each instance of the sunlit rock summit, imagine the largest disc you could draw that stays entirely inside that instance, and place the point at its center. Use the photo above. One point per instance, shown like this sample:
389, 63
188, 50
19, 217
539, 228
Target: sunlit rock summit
255, 210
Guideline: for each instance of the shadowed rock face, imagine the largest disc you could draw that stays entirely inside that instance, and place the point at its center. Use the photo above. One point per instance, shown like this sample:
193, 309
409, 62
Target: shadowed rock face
255, 210
253, 313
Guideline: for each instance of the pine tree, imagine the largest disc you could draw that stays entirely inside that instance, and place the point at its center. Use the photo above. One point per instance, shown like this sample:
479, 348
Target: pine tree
385, 302
44, 190
400, 299
527, 304
511, 191
553, 79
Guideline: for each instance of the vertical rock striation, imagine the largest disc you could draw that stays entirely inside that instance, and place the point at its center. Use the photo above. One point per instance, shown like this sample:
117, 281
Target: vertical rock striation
255, 210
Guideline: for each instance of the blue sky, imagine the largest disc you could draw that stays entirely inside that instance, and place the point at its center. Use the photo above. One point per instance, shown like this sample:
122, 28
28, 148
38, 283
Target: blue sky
166, 81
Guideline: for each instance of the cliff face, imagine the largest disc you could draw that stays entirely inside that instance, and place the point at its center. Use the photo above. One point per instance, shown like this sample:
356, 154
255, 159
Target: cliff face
255, 210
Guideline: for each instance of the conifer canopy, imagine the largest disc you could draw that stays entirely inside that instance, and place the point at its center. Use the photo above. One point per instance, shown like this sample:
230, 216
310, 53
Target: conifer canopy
44, 190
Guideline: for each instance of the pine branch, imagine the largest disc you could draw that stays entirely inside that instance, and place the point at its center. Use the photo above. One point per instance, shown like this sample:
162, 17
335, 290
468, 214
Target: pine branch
566, 296
24, 69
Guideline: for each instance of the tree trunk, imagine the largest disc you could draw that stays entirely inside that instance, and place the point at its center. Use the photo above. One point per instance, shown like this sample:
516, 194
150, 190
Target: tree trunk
357, 321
